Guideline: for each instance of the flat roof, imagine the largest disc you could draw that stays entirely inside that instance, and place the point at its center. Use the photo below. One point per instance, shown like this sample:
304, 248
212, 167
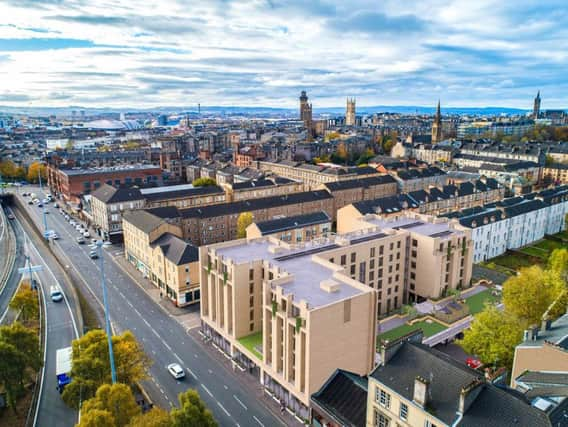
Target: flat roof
93, 171
307, 274
441, 230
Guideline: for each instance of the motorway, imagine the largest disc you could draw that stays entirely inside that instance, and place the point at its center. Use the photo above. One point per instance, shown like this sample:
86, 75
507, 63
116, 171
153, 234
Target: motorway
162, 337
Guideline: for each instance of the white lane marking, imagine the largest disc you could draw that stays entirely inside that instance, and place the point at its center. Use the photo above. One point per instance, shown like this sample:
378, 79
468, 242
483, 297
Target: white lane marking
223, 408
192, 373
178, 358
240, 403
207, 390
258, 421
166, 345
226, 388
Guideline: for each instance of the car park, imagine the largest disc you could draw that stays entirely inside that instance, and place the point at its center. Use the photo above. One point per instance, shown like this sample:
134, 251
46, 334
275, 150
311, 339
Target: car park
176, 371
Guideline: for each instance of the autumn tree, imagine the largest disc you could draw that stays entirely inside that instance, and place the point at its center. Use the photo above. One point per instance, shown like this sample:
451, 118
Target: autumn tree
156, 417
26, 302
19, 357
558, 263
365, 156
192, 411
117, 400
35, 169
529, 294
204, 182
243, 221
493, 336
91, 364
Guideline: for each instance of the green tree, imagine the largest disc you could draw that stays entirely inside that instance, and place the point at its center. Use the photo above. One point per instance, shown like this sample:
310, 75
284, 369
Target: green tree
558, 263
19, 357
156, 417
116, 399
8, 169
365, 156
204, 182
243, 221
35, 169
493, 336
192, 411
529, 294
26, 302
96, 418
91, 364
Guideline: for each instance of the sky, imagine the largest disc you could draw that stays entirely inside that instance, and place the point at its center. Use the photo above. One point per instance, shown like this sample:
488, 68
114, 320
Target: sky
124, 53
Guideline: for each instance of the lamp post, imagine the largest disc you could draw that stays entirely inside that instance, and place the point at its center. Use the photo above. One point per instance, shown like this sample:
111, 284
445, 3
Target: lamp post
107, 316
46, 232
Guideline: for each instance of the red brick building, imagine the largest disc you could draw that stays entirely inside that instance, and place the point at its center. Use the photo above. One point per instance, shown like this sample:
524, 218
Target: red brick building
71, 184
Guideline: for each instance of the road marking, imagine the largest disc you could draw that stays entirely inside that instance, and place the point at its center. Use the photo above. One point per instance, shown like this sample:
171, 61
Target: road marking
241, 403
178, 358
146, 323
258, 421
223, 408
207, 390
167, 345
210, 371
226, 388
192, 373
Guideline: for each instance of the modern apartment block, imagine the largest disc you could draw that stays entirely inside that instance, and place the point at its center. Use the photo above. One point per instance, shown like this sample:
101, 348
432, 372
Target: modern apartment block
514, 222
156, 249
287, 313
293, 229
427, 258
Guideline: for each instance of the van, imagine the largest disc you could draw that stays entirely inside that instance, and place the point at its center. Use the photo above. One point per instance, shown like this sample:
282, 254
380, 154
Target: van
55, 294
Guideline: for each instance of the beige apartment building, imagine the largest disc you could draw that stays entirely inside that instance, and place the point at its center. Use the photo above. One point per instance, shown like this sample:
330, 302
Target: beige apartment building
293, 229
287, 314
156, 248
258, 188
431, 257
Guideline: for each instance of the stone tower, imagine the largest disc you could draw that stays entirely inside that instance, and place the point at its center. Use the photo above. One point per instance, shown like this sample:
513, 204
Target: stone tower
350, 112
306, 113
437, 126
536, 106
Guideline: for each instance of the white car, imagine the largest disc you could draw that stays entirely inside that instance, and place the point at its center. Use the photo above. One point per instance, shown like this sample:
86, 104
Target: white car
54, 236
55, 294
86, 234
73, 223
176, 371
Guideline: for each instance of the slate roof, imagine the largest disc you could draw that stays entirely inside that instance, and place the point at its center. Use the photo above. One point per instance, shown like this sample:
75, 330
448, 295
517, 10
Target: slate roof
255, 183
176, 250
143, 220
255, 204
544, 378
388, 204
188, 192
109, 194
292, 222
492, 407
359, 183
420, 173
344, 398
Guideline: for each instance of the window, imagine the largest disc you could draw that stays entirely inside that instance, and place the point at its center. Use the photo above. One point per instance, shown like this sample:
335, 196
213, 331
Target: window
353, 269
403, 411
382, 397
391, 246
251, 288
429, 423
353, 256
372, 264
343, 259
414, 242
379, 420
251, 274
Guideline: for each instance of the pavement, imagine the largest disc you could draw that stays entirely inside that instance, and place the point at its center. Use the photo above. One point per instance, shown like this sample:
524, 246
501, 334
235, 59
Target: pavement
225, 391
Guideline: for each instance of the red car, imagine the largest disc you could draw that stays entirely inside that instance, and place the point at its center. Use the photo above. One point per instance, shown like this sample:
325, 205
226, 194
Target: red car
473, 363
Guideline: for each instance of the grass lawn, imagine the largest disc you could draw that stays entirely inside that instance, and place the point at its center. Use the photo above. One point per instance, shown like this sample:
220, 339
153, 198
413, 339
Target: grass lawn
429, 329
536, 251
549, 245
514, 262
476, 303
252, 341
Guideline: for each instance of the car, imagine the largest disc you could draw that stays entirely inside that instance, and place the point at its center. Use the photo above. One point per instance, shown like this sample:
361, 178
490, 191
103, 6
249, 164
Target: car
81, 240
30, 202
55, 294
73, 223
55, 236
10, 216
78, 227
176, 371
45, 201
55, 205
24, 194
40, 205
107, 243
473, 363
93, 254
86, 234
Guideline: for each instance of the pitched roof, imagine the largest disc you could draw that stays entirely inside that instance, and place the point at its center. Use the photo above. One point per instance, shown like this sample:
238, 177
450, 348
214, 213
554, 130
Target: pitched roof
176, 250
344, 398
187, 192
359, 182
109, 194
143, 220
292, 222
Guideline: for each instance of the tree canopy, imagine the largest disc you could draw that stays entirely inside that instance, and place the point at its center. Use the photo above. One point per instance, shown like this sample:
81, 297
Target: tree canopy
35, 169
26, 302
91, 364
114, 404
9, 170
204, 182
192, 411
243, 221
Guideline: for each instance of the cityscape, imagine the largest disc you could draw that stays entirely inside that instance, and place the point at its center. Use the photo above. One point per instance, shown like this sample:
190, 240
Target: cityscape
283, 213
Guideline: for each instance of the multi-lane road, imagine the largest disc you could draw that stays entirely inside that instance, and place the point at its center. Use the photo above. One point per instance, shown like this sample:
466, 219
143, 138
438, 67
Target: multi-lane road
162, 337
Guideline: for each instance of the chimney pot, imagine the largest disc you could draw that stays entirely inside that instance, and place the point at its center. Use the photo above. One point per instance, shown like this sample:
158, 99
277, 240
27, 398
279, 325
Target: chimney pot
421, 391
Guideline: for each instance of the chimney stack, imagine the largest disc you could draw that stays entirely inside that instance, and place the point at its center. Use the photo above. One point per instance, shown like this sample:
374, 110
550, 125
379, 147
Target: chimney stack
421, 391
469, 393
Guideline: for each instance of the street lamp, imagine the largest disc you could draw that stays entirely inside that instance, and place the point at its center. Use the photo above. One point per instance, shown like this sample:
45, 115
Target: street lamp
107, 316
46, 232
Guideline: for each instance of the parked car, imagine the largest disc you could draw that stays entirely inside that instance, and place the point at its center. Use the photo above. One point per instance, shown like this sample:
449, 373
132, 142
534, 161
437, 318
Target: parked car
93, 254
176, 371
81, 240
54, 236
10, 216
55, 205
86, 234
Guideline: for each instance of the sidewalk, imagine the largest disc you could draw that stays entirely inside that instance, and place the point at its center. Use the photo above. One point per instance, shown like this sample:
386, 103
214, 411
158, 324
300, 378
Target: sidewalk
187, 316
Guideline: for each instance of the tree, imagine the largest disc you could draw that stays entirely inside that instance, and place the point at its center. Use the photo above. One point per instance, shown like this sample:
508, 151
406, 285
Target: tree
8, 169
204, 182
156, 417
493, 336
558, 263
35, 169
192, 411
528, 294
91, 364
26, 302
117, 400
19, 354
96, 418
243, 221
365, 156
341, 152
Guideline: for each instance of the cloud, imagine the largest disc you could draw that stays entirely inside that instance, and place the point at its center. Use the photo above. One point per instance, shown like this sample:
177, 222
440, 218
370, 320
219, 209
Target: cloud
376, 23
89, 19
